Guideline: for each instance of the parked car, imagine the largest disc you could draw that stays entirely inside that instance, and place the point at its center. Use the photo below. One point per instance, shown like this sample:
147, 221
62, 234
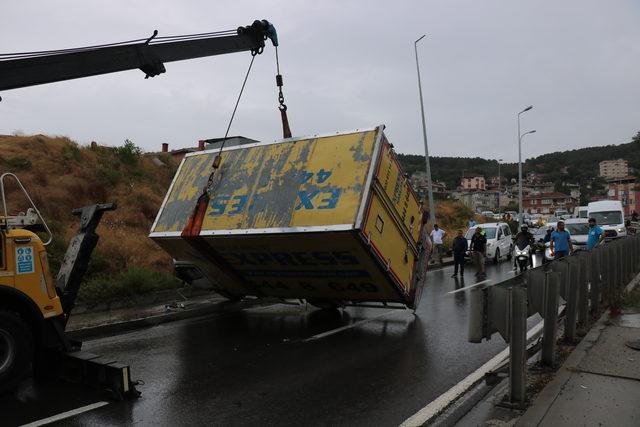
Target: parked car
562, 213
499, 240
488, 214
578, 228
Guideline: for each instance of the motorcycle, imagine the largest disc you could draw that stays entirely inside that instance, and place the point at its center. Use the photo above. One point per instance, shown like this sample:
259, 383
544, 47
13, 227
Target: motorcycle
522, 253
548, 255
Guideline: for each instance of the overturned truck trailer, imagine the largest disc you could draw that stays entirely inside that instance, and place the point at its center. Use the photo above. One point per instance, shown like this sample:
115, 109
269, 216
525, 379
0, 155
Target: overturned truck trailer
330, 219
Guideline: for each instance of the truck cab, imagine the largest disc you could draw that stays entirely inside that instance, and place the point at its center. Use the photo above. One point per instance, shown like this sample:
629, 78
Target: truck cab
29, 303
35, 307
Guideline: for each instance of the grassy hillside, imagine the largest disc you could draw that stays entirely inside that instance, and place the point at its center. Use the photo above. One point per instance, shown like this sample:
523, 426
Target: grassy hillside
60, 175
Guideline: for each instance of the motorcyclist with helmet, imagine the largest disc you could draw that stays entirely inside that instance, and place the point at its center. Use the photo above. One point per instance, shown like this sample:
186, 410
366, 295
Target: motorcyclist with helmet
522, 239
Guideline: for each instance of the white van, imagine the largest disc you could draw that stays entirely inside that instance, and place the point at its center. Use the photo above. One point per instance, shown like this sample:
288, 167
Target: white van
610, 216
499, 240
581, 212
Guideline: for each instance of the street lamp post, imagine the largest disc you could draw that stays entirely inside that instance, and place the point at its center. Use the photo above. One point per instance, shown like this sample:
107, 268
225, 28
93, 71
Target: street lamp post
499, 180
499, 184
520, 211
432, 206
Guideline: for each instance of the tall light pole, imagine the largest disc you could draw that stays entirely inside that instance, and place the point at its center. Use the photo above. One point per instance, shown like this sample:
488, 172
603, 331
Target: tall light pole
432, 206
499, 181
499, 184
520, 135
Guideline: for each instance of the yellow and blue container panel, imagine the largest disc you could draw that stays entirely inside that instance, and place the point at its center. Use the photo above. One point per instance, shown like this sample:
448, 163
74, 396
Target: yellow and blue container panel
328, 217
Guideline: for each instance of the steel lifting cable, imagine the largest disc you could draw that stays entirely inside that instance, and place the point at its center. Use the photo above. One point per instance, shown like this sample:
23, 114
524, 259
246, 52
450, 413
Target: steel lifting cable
286, 130
194, 223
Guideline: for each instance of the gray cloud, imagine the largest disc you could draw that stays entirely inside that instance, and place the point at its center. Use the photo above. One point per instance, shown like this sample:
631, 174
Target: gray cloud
347, 65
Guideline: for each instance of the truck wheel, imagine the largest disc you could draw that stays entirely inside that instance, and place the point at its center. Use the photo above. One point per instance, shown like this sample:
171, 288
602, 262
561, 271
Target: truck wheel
16, 350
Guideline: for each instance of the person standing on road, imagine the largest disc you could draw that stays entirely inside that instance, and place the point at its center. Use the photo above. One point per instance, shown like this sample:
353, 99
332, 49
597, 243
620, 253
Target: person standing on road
596, 234
437, 234
459, 247
634, 216
547, 237
425, 246
479, 251
560, 242
472, 223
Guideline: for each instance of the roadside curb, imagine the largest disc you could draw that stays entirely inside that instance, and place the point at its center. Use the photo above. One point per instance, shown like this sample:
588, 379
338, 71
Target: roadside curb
541, 404
547, 396
144, 322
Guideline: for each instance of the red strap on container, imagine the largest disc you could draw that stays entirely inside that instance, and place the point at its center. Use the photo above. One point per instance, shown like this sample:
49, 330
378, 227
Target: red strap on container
194, 223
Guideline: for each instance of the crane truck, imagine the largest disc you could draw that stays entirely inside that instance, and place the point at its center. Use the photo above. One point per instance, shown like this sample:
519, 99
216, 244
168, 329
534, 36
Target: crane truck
34, 308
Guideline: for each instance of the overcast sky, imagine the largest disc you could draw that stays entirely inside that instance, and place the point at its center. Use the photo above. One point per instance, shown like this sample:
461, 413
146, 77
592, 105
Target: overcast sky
347, 65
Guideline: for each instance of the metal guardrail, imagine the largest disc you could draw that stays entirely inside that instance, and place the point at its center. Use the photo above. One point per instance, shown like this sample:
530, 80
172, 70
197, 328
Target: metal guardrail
586, 282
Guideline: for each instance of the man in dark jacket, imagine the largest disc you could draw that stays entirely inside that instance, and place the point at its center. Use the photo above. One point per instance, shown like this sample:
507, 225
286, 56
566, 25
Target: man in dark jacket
459, 247
479, 251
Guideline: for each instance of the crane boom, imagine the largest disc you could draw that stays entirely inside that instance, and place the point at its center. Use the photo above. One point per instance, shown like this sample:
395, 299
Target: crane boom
22, 70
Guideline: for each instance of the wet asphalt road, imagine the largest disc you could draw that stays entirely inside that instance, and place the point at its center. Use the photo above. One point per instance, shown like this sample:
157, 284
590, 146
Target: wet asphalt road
283, 365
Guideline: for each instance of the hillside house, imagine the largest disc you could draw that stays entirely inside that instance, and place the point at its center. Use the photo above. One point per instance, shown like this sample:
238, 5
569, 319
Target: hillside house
547, 203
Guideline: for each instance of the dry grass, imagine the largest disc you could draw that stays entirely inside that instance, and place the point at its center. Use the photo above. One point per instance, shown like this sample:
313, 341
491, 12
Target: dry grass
61, 176
451, 216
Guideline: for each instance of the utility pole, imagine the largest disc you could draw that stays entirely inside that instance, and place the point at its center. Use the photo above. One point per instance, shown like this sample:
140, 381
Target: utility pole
520, 210
432, 206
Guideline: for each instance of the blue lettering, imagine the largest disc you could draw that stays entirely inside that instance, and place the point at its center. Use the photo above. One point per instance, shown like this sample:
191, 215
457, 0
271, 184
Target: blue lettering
306, 176
218, 205
305, 199
237, 207
331, 201
323, 175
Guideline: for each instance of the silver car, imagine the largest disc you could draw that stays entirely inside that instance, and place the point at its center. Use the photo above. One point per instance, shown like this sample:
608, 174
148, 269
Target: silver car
578, 228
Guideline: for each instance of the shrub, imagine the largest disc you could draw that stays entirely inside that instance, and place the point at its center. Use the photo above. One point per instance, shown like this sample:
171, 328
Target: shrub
130, 283
71, 151
129, 154
108, 176
18, 163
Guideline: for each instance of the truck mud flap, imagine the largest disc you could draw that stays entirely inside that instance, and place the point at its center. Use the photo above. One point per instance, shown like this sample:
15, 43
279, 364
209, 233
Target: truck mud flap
97, 372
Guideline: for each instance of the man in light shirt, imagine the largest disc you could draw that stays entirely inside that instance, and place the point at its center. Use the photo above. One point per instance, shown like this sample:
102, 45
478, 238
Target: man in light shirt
437, 234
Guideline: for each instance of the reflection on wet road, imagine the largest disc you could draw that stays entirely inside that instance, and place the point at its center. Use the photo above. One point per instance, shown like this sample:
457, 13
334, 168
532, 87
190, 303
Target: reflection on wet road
287, 364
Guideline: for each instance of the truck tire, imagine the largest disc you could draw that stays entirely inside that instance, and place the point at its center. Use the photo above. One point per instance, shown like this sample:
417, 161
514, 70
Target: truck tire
16, 350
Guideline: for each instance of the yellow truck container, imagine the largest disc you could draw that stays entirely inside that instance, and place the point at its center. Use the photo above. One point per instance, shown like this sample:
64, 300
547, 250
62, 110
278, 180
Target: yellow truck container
328, 218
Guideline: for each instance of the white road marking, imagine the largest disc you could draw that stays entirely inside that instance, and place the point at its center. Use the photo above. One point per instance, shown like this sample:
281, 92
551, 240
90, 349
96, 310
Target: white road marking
67, 414
352, 325
466, 288
438, 405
